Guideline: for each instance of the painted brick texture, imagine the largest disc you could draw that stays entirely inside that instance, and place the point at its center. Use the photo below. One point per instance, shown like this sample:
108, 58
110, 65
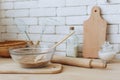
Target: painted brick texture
52, 18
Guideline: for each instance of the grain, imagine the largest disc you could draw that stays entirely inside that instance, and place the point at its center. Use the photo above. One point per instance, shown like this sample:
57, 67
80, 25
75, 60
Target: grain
28, 62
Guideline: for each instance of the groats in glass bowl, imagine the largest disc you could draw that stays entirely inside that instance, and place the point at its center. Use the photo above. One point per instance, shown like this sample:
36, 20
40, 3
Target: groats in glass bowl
5, 45
32, 57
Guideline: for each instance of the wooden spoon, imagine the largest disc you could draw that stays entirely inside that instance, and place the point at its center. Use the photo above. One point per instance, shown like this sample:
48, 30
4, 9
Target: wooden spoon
54, 46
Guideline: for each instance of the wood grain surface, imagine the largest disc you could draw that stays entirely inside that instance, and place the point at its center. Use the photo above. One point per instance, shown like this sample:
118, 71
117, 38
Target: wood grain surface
79, 62
112, 72
94, 34
7, 66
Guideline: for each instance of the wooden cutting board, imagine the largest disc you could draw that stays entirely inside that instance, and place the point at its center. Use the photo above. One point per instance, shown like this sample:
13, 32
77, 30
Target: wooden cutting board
94, 34
7, 66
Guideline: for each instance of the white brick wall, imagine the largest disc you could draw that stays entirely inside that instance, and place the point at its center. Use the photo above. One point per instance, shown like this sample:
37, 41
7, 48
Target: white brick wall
2, 29
7, 5
75, 20
22, 36
107, 9
71, 11
6, 21
114, 38
52, 21
102, 1
52, 38
28, 20
12, 29
112, 19
9, 36
25, 4
80, 2
115, 1
65, 29
42, 29
2, 14
119, 28
116, 47
113, 29
56, 16
61, 47
43, 12
17, 13
9, 0
51, 3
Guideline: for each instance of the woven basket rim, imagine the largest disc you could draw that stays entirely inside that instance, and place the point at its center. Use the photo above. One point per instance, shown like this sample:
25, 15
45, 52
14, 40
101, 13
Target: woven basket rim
12, 43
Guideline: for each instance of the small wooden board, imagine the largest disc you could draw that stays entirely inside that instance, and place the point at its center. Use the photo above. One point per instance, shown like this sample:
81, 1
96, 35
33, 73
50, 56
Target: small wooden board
94, 34
10, 67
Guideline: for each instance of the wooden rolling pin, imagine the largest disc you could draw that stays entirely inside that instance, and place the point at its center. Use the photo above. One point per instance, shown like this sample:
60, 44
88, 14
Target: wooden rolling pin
80, 62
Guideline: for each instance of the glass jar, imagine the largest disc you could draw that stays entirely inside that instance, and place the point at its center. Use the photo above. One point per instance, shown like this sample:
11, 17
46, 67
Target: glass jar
72, 45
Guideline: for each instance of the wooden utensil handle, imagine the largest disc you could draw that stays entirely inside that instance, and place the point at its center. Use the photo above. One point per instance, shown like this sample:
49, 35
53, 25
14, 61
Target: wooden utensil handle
66, 37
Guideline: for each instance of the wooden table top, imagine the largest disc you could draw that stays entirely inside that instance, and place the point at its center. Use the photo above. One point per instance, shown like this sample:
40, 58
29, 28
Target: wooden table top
112, 72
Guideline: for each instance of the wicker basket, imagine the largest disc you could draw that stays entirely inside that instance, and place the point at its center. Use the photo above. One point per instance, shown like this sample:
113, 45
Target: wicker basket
4, 46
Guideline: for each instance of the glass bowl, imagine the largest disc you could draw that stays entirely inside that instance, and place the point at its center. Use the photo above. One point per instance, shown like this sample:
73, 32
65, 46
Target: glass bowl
32, 57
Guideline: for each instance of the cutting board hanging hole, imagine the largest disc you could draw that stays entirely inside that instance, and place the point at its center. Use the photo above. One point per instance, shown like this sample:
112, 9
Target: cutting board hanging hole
96, 10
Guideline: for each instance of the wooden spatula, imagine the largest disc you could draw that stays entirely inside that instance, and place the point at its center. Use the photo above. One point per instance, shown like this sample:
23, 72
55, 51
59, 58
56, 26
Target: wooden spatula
94, 34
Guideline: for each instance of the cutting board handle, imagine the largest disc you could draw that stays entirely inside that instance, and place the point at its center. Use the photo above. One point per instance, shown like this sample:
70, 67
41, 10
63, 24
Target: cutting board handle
96, 12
